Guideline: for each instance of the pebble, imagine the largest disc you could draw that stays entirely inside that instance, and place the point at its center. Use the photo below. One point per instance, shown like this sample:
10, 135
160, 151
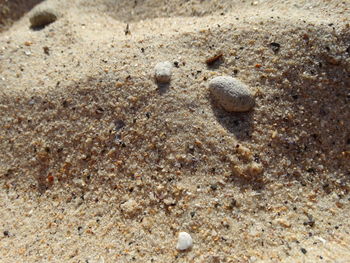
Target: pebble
184, 241
162, 72
42, 16
231, 94
130, 207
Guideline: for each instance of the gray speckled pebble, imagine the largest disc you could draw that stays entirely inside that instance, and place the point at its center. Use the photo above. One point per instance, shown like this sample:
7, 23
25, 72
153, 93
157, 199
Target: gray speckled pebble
231, 94
162, 72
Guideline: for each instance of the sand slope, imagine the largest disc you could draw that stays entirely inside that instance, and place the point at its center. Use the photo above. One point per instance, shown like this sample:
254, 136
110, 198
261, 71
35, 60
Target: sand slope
99, 164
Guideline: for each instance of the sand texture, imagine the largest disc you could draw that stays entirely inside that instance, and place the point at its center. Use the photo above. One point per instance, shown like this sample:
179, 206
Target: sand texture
100, 163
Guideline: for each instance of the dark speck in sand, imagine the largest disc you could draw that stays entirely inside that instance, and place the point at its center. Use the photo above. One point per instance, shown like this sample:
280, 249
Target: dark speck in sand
275, 47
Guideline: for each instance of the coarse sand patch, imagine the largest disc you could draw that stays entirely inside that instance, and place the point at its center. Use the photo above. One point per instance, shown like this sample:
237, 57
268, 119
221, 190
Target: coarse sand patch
100, 163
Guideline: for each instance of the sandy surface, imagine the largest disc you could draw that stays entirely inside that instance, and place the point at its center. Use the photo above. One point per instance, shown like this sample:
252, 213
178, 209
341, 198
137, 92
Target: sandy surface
100, 164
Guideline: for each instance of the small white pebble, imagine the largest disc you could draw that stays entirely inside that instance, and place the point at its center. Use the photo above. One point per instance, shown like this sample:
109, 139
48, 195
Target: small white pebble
322, 240
184, 241
162, 72
231, 94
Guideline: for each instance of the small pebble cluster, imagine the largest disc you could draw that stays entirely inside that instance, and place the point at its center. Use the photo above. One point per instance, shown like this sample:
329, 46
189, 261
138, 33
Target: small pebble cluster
230, 93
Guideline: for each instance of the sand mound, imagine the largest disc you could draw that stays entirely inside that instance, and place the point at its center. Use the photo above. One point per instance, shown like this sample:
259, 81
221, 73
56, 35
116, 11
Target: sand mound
99, 163
12, 10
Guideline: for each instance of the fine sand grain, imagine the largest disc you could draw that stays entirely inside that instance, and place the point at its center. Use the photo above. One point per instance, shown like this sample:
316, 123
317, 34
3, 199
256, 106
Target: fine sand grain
100, 163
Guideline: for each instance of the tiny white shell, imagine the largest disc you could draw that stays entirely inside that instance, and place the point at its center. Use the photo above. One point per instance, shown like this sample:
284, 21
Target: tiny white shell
184, 241
162, 72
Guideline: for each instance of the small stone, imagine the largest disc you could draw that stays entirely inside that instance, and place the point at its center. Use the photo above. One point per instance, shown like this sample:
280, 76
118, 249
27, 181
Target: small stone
42, 16
169, 201
232, 94
130, 207
275, 47
184, 241
162, 72
255, 169
213, 187
46, 50
283, 222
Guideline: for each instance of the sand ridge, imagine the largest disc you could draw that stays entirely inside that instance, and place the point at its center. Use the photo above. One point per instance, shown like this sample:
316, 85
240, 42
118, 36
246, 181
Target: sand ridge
100, 164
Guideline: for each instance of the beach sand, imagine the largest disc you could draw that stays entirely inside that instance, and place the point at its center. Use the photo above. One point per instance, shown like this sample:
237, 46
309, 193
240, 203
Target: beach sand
99, 163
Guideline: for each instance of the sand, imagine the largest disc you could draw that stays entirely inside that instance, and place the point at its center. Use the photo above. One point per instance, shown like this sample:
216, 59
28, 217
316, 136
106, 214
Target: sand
99, 163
